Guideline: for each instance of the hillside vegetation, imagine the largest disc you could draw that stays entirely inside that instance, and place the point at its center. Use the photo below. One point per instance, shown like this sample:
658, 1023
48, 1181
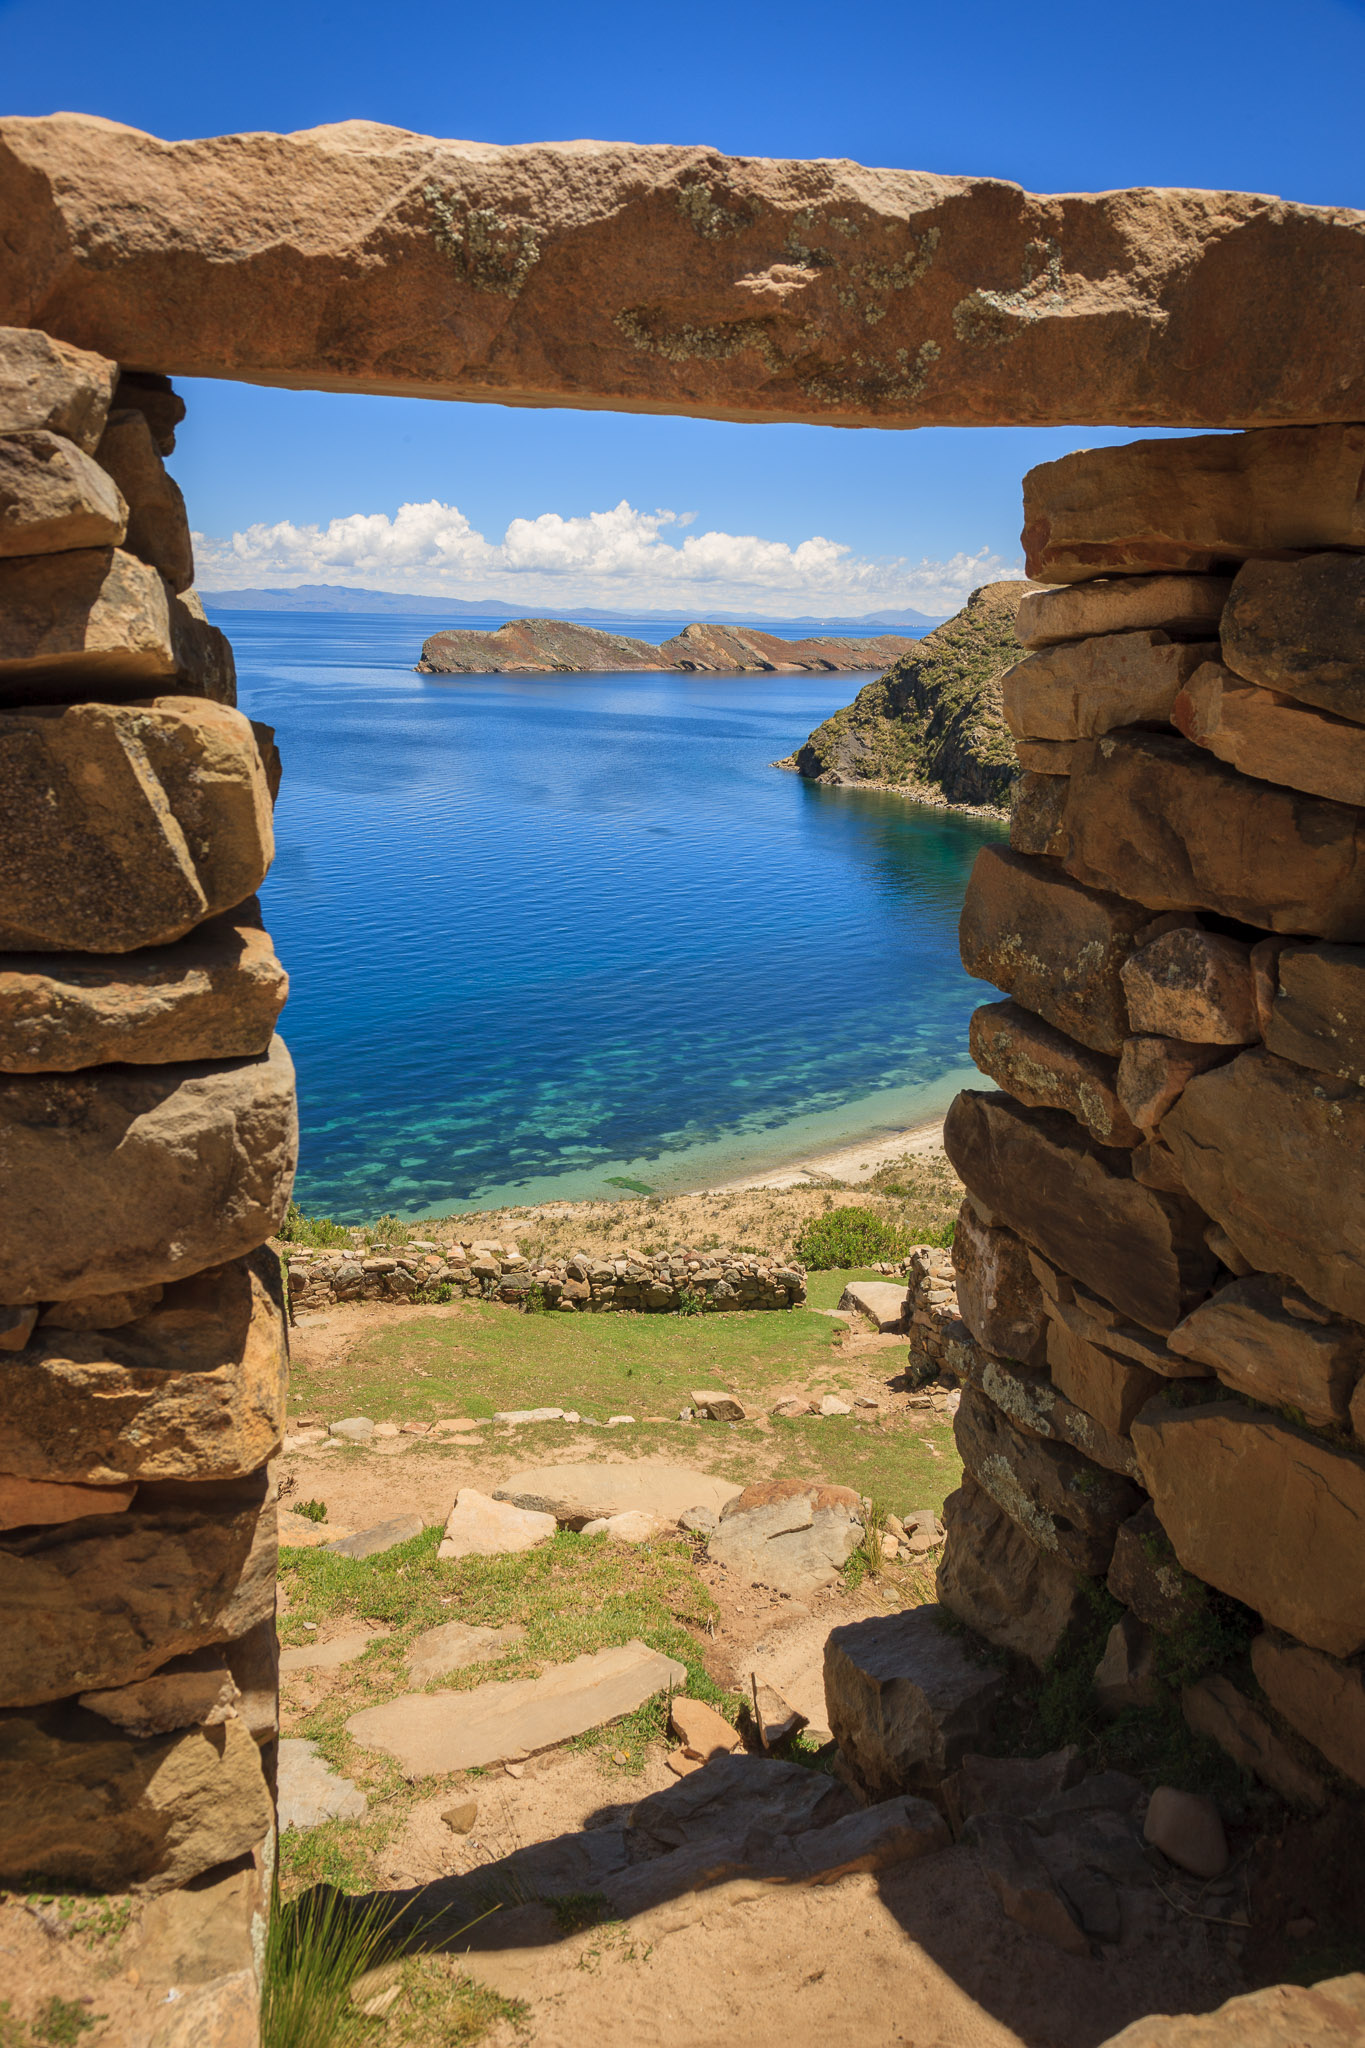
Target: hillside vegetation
932, 724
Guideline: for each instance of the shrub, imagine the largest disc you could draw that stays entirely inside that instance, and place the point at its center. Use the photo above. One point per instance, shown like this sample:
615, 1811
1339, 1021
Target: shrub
849, 1237
313, 1510
315, 1230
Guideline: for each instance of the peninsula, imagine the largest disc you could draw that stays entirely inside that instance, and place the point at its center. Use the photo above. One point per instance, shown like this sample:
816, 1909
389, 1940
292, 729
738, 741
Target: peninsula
529, 646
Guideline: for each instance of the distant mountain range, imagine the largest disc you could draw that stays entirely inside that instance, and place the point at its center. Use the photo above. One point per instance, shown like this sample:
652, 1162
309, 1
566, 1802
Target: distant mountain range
344, 597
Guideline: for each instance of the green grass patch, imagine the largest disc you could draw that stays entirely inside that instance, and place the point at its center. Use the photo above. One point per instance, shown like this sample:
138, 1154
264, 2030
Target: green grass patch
850, 1237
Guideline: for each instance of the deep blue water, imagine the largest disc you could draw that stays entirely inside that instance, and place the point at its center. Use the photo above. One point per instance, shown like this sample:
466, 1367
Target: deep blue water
546, 931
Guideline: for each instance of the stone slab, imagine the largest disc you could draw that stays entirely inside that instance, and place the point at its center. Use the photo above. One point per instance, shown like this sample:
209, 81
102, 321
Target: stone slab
1299, 627
993, 1577
1107, 1386
1044, 1069
883, 1302
309, 1791
432, 1733
1031, 1400
54, 497
1192, 984
128, 1176
478, 1526
575, 1494
1082, 688
1271, 1342
26, 1503
1185, 607
455, 1645
1321, 1697
794, 1535
1214, 1707
331, 1655
1272, 737
1194, 504
99, 619
998, 1295
1317, 1011
202, 1698
378, 1538
907, 1699
47, 384
1067, 1505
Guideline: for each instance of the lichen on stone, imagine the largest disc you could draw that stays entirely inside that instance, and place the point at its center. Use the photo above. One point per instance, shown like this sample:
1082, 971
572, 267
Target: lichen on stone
986, 316
495, 254
684, 342
698, 204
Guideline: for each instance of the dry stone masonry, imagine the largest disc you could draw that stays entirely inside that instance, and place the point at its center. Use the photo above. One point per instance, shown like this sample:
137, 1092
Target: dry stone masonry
147, 1149
1160, 1263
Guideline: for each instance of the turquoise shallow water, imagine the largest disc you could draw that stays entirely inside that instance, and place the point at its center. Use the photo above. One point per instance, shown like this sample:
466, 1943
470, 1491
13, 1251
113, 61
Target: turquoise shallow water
546, 931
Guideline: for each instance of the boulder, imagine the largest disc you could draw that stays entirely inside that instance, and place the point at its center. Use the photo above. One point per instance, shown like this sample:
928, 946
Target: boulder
128, 1176
84, 1806
1078, 1204
1214, 1707
885, 1303
1031, 1400
1151, 814
576, 1494
758, 1796
213, 995
1326, 2015
998, 1296
1111, 1388
1272, 737
378, 1538
158, 529
1276, 1156
98, 619
1192, 984
791, 1534
671, 279
1320, 1697
46, 384
1263, 1511
1271, 1342
53, 497
309, 1791
1184, 607
1044, 1069
1299, 627
1193, 504
126, 825
27, 1503
906, 1699
1054, 946
993, 1577
1145, 1575
168, 1700
1082, 688
1153, 1072
107, 1601
1188, 1828
480, 1527
352, 1429
194, 1389
1317, 1009
434, 1732
1038, 813
1068, 1506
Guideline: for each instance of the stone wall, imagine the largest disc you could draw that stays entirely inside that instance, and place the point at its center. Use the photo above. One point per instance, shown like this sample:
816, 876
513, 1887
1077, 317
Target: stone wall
147, 1147
659, 1284
1161, 1258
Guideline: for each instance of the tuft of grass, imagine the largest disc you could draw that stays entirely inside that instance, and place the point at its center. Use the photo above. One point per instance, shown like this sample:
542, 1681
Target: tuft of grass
315, 1949
311, 1510
867, 1559
851, 1236
319, 1231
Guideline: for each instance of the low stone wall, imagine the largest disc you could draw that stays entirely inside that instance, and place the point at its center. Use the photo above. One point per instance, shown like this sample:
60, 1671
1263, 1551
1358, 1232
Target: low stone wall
653, 1284
1160, 1261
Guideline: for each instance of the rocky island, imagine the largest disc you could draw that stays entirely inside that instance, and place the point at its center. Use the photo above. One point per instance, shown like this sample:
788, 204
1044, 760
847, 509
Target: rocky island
528, 646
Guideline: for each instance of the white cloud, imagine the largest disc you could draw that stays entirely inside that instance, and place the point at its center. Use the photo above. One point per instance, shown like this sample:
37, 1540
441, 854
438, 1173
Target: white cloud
621, 560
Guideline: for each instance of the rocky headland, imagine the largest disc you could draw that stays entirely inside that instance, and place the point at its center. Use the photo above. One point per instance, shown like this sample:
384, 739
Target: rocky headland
933, 725
544, 645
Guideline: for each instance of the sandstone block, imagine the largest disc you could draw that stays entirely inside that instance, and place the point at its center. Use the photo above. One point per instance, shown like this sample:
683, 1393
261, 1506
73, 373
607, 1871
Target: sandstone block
1095, 1322
1195, 504
54, 497
82, 1804
119, 1177
158, 529
1045, 1069
214, 994
1299, 627
1066, 1505
1044, 757
1326, 2015
1272, 737
25, 1503
106, 1601
47, 384
1111, 1388
479, 1526
1263, 1511
791, 1534
1153, 1073
1082, 688
168, 1700
156, 399
1320, 1697
122, 826
1183, 607
906, 1699
1030, 1399
101, 1311
1140, 1249
1215, 1708
1192, 984
1317, 1009
992, 1577
1277, 1157
1147, 1577
1178, 830
998, 1296
1054, 946
1036, 821
1271, 1342
194, 1389
98, 620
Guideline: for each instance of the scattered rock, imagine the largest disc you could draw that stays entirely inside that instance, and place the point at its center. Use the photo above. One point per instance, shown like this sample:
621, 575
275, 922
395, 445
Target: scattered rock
577, 1494
830, 1404
1186, 1826
718, 1407
681, 1764
431, 1733
790, 1534
309, 1791
481, 1527
454, 1645
331, 1655
1022, 1882
775, 1718
1214, 1707
380, 1537
699, 1521
353, 1429
907, 1699
758, 1795
460, 1818
882, 1302
1011, 1784
702, 1731
520, 1415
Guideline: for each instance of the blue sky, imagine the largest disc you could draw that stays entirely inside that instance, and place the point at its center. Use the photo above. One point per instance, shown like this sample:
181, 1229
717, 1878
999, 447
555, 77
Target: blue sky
1263, 97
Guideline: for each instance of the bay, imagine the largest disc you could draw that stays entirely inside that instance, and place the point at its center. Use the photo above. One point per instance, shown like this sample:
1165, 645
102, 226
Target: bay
550, 933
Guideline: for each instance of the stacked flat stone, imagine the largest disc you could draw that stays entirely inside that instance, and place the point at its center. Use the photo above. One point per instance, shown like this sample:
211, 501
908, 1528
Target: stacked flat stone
650, 1283
147, 1148
1161, 1258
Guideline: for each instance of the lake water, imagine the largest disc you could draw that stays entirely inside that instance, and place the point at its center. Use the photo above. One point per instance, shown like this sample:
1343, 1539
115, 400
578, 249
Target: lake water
547, 932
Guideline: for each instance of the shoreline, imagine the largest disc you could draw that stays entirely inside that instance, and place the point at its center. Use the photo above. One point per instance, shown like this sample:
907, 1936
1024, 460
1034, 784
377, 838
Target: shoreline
914, 792
850, 1163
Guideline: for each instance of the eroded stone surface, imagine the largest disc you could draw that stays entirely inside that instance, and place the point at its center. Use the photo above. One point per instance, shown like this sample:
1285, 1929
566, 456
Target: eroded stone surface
1191, 984
168, 1700
98, 619
1272, 737
1153, 1072
478, 1526
998, 1295
1111, 1388
906, 1699
1038, 818
1326, 2015
1029, 1397
1299, 627
1316, 1015
1082, 688
26, 1503
1214, 1707
579, 1493
47, 384
53, 497
309, 1791
1001, 1584
158, 529
791, 1534
1269, 1341
1066, 1505
1044, 1069
1185, 607
1146, 1576
1321, 1697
